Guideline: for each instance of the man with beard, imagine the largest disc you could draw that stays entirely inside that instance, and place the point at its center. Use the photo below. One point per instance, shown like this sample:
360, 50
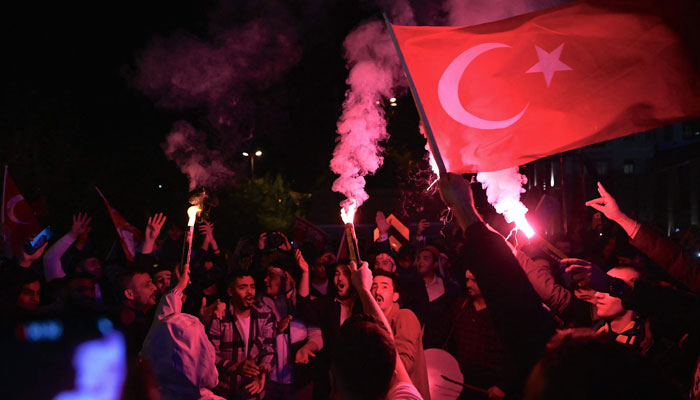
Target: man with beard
138, 300
244, 341
328, 313
436, 295
408, 337
474, 342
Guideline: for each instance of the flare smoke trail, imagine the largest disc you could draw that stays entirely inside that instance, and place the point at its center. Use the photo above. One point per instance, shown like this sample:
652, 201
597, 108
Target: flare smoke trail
375, 72
203, 166
222, 72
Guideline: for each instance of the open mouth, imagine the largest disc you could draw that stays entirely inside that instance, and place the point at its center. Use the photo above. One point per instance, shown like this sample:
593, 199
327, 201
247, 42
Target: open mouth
379, 298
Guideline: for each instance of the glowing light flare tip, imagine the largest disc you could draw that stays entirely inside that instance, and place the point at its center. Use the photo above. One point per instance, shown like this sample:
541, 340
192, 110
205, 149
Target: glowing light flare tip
347, 213
192, 214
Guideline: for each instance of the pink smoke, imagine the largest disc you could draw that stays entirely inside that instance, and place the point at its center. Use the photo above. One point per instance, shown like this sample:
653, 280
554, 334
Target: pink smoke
183, 70
202, 165
222, 73
474, 12
374, 74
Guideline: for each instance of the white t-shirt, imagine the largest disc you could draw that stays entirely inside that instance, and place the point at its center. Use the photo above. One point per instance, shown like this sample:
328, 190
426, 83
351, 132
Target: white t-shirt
403, 391
244, 328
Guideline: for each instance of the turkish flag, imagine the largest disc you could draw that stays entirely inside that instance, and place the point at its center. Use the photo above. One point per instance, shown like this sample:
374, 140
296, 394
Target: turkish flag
129, 237
18, 219
509, 92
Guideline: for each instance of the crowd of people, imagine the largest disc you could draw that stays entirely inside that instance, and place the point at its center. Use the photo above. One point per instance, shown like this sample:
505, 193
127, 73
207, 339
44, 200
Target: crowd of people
272, 320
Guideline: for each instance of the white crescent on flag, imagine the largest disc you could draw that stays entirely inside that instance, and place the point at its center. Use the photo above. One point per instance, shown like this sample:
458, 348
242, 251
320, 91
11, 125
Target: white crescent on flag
16, 199
448, 91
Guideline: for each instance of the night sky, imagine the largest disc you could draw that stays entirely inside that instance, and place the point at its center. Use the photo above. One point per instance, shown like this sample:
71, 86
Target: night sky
73, 118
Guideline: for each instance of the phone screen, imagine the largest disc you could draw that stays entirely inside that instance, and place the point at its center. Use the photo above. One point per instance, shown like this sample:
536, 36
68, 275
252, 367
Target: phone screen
46, 233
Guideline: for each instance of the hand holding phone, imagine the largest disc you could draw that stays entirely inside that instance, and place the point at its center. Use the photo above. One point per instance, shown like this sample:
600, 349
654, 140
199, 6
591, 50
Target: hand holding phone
39, 240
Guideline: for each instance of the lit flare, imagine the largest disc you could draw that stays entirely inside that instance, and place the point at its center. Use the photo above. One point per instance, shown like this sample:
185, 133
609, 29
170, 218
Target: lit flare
192, 213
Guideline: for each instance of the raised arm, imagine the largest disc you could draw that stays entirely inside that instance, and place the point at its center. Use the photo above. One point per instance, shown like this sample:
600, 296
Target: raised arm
658, 248
361, 280
53, 268
155, 224
304, 280
520, 320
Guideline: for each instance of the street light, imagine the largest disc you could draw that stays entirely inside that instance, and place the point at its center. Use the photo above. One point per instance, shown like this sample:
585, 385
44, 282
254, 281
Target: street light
257, 153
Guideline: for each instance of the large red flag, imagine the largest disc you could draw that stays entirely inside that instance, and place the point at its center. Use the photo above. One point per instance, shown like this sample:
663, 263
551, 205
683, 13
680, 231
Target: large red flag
129, 236
506, 93
18, 219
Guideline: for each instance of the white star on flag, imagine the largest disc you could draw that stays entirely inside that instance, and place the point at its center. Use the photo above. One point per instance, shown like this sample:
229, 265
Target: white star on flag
549, 63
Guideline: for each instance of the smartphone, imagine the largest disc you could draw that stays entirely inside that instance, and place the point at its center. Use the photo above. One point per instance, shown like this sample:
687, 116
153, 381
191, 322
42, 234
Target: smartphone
33, 245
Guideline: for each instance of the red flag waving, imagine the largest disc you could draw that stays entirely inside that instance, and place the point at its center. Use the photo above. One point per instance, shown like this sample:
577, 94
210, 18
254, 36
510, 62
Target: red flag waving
129, 236
18, 219
506, 93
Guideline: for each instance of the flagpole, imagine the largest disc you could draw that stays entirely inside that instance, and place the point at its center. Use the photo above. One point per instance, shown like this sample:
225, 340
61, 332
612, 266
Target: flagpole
428, 130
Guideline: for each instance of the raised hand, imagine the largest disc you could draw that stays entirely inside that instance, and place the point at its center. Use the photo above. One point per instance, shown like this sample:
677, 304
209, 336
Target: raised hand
457, 195
586, 275
422, 226
606, 204
208, 312
285, 246
182, 278
81, 222
262, 240
361, 279
382, 223
28, 259
303, 265
207, 229
155, 224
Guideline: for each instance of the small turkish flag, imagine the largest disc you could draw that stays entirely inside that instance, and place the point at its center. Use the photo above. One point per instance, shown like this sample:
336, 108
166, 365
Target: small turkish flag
20, 223
129, 237
509, 92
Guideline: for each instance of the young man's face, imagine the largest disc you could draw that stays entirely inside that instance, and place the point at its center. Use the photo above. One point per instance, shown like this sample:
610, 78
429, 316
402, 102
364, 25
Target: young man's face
273, 282
472, 287
29, 297
425, 263
243, 292
82, 290
384, 262
142, 291
162, 281
93, 267
383, 291
608, 306
341, 279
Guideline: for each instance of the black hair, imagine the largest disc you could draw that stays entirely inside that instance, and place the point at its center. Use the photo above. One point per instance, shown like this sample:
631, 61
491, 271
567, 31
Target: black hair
124, 280
364, 357
390, 275
237, 274
611, 370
